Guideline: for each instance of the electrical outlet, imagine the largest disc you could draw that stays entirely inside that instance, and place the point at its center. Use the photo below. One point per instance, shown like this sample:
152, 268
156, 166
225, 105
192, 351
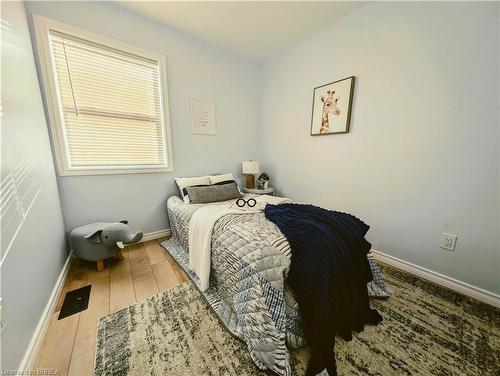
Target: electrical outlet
448, 241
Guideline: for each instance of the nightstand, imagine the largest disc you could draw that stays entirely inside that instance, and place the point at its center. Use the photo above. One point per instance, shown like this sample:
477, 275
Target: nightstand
267, 191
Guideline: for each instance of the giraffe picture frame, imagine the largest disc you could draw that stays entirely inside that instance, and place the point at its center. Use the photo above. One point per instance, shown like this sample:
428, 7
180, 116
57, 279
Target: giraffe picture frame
331, 109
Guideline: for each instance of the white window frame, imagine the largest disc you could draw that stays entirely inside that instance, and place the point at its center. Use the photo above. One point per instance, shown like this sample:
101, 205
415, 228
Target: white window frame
42, 27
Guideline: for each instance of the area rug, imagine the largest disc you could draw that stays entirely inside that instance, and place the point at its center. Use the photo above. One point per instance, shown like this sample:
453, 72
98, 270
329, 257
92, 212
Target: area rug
427, 330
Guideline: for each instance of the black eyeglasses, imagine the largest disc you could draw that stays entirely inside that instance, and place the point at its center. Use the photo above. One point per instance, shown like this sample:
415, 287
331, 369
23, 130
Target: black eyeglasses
242, 202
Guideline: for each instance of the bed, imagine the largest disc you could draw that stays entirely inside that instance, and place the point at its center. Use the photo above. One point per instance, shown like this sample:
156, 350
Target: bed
250, 259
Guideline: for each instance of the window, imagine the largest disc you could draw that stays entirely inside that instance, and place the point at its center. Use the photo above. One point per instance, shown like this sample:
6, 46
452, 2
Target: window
107, 102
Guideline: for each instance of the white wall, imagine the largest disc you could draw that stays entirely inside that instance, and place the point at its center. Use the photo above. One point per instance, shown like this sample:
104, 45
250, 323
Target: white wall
195, 68
33, 257
422, 155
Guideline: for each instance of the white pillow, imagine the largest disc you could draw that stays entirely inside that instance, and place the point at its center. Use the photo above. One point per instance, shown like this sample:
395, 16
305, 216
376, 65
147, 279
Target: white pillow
214, 179
189, 182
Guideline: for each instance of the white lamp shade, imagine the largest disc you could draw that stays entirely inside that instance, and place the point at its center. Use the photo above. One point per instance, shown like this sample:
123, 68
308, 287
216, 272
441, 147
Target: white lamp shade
250, 167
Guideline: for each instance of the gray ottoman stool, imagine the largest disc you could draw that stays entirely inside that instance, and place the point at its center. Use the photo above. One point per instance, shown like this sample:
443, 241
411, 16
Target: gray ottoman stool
101, 240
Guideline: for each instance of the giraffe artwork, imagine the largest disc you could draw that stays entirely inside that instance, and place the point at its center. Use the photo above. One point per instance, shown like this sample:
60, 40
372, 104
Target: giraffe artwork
332, 107
330, 102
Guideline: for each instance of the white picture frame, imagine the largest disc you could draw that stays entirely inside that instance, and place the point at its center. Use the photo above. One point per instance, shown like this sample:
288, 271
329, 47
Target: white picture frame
203, 119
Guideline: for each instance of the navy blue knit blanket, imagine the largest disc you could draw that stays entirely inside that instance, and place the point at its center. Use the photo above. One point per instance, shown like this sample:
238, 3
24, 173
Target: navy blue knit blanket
329, 273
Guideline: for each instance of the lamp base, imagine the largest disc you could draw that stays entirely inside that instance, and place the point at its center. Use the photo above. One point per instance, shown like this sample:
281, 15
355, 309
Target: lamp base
250, 181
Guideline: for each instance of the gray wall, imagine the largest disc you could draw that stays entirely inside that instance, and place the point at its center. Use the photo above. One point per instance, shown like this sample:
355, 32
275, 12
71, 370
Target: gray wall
195, 68
422, 155
31, 260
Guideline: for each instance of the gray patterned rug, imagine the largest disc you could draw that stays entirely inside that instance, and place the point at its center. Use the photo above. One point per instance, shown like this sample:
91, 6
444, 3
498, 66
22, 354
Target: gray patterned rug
427, 330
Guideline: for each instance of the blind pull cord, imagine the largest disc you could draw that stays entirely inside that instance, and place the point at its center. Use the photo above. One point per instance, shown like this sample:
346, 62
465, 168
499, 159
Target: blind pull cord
70, 79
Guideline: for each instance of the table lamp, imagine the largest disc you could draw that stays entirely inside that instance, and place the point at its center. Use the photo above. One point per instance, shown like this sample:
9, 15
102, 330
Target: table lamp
249, 168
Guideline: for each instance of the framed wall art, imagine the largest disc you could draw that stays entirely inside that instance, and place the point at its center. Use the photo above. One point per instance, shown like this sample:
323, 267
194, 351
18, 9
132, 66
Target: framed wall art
203, 116
331, 111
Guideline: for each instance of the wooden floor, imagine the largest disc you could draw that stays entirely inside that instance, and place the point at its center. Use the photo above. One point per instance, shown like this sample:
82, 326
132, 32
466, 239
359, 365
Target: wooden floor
146, 270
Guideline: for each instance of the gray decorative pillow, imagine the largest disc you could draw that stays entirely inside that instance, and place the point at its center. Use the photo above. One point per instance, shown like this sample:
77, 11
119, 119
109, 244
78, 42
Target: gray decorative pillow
213, 193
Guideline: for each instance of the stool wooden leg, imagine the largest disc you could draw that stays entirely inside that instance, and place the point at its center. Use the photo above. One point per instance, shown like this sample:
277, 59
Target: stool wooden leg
100, 265
119, 255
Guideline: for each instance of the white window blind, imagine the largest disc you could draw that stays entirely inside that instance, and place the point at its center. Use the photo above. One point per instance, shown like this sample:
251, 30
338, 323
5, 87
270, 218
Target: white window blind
110, 106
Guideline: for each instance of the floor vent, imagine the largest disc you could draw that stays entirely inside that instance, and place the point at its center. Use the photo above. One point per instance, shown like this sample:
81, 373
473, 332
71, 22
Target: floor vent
75, 301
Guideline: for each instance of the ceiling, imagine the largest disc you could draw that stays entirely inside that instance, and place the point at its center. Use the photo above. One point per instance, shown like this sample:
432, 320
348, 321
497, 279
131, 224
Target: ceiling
255, 30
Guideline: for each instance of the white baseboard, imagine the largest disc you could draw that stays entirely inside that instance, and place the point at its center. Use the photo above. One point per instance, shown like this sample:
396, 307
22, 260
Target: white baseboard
156, 235
31, 353
440, 279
